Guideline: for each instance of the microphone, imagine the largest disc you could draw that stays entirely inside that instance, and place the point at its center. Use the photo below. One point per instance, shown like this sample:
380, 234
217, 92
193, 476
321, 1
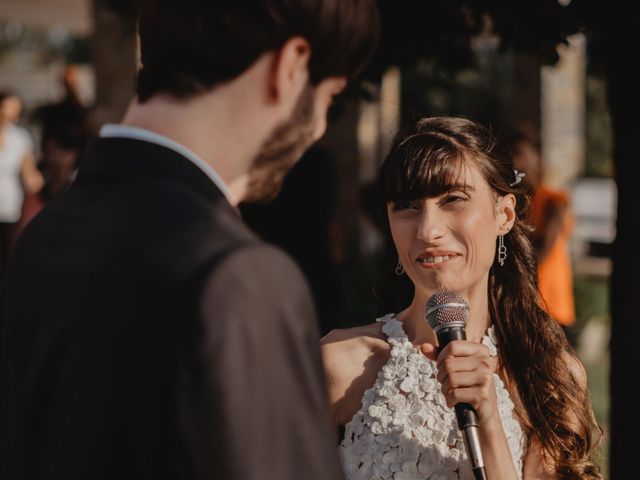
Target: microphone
447, 312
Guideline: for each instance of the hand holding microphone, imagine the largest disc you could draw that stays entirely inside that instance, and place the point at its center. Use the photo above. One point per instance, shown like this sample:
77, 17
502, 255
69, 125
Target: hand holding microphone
465, 371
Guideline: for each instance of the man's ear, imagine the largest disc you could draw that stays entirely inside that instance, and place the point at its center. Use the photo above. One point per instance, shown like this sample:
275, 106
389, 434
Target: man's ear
290, 69
506, 213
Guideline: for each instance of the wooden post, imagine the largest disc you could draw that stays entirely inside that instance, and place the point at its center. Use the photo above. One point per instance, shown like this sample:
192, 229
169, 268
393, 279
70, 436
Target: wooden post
621, 44
563, 111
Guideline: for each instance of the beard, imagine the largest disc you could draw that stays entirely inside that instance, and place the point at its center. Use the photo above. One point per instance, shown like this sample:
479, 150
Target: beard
281, 150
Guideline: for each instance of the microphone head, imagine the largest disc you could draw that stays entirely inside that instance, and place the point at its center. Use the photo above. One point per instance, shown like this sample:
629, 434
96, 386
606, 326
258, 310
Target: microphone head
446, 309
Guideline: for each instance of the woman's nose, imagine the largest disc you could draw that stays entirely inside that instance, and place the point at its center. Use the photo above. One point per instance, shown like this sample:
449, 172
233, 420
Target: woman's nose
430, 225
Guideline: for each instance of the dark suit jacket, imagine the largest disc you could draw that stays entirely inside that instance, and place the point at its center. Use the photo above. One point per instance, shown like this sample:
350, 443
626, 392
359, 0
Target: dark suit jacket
145, 332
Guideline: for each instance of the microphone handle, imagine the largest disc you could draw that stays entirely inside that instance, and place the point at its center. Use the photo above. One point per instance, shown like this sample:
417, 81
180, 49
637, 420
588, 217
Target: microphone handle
465, 414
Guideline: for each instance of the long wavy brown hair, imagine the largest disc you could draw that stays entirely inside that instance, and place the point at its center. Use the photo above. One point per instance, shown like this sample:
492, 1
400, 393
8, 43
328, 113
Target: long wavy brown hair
426, 159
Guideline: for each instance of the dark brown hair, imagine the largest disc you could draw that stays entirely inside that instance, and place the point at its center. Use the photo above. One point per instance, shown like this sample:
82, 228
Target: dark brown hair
189, 46
426, 160
8, 93
4, 94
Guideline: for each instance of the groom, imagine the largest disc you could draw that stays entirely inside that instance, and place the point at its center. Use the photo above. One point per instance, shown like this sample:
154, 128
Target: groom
145, 332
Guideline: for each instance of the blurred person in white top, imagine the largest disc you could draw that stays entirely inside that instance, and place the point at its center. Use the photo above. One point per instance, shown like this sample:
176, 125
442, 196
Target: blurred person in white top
18, 172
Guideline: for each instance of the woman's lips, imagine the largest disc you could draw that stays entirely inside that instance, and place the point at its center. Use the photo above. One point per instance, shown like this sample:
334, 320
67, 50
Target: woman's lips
435, 260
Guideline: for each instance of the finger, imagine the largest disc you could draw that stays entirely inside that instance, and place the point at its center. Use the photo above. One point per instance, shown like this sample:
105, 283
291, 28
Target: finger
462, 364
463, 380
462, 348
430, 351
476, 396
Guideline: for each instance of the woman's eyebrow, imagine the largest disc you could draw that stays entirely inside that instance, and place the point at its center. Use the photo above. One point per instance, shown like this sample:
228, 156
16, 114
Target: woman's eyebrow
465, 187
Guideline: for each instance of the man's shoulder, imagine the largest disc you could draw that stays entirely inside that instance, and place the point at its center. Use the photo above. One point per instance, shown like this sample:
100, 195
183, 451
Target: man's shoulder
257, 290
156, 225
258, 268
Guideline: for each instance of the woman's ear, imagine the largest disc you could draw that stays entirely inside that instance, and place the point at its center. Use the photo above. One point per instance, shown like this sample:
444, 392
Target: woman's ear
506, 213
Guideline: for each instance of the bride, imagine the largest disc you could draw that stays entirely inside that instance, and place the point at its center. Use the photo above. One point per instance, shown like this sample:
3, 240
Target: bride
452, 200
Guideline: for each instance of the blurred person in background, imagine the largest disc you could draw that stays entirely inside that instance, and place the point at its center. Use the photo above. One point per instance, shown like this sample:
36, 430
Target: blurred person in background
18, 172
145, 331
553, 223
65, 131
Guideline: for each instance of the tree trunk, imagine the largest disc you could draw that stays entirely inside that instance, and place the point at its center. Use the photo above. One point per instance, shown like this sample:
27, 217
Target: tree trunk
114, 61
621, 33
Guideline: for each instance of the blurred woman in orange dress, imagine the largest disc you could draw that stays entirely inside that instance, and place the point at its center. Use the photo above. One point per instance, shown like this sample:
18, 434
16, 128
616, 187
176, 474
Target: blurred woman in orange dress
553, 222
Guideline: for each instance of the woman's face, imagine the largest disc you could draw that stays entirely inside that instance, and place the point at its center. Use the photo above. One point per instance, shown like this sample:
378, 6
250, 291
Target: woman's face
10, 109
449, 242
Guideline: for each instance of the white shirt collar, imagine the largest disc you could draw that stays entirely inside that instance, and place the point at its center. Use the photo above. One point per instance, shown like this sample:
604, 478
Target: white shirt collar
136, 133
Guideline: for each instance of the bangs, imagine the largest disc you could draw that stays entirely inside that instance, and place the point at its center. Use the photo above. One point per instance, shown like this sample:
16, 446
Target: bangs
423, 165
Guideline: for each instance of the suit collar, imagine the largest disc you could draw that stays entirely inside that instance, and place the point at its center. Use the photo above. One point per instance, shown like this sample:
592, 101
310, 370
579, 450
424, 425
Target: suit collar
115, 157
138, 133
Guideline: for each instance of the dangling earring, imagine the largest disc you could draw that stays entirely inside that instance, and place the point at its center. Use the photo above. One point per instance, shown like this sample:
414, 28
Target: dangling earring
399, 269
502, 251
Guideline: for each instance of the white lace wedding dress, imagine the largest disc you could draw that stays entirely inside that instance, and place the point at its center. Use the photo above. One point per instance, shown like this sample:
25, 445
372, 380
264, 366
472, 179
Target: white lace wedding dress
405, 431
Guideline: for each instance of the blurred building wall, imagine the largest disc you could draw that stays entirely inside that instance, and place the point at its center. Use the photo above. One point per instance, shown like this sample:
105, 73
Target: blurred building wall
110, 79
72, 14
563, 115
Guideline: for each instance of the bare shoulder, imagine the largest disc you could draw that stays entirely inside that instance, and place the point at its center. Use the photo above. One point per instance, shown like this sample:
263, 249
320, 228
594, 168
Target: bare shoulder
364, 337
352, 358
345, 351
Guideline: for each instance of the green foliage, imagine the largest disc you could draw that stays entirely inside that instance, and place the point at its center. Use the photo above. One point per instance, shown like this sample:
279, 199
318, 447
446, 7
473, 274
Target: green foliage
592, 300
480, 92
599, 147
43, 45
592, 305
598, 375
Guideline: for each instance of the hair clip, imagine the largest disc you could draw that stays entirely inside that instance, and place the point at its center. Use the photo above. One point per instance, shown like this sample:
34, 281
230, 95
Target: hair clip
519, 176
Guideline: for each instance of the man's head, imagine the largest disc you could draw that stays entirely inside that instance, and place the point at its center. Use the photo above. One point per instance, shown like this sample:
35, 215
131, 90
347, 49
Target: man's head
305, 50
190, 46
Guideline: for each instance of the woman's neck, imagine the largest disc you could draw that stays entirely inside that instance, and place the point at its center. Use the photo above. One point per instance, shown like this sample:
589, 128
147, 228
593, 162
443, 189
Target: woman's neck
419, 331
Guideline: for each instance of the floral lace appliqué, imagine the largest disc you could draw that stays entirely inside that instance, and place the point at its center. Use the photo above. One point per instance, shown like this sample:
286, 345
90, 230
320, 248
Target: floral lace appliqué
405, 431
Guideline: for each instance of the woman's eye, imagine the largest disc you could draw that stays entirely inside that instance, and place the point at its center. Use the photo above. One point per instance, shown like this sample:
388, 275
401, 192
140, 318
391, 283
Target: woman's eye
400, 206
453, 198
